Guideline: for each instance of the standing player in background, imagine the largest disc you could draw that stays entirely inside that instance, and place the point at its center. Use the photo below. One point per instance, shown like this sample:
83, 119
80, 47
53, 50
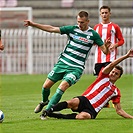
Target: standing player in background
1, 45
107, 29
71, 62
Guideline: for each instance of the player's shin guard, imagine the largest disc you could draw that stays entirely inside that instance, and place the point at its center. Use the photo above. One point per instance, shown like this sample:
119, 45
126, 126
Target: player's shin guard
55, 98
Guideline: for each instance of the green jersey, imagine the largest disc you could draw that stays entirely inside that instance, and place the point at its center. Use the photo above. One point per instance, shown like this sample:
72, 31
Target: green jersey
78, 45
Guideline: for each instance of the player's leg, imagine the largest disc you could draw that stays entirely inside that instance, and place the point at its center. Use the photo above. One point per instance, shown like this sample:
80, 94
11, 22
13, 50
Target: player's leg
58, 107
53, 77
85, 109
73, 104
45, 94
80, 116
78, 104
70, 77
83, 116
58, 94
63, 116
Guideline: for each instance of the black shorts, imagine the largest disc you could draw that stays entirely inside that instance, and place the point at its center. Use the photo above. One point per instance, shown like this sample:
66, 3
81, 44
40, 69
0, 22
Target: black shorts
98, 67
85, 106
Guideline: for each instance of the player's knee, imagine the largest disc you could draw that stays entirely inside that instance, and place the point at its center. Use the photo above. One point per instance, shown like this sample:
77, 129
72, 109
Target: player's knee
73, 103
48, 83
64, 85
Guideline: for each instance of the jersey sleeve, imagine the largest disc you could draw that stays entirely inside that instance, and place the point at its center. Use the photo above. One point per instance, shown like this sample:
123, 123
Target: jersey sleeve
97, 40
119, 36
95, 27
66, 29
116, 99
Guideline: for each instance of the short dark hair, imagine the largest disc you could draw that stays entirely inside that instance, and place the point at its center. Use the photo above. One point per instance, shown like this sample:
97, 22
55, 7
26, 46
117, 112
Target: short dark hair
119, 68
105, 7
82, 14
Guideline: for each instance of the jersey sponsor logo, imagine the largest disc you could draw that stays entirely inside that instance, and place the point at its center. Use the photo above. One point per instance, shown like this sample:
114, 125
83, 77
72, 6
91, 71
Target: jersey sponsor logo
79, 38
83, 39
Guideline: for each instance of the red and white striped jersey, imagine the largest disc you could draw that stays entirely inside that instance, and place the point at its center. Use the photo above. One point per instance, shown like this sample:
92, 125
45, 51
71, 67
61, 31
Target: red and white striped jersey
101, 91
113, 32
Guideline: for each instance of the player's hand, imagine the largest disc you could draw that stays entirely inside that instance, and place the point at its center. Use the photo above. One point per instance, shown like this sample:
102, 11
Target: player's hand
112, 48
1, 46
28, 23
107, 42
130, 53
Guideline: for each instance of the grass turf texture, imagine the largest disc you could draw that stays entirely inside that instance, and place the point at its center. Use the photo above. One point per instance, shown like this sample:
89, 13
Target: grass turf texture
19, 94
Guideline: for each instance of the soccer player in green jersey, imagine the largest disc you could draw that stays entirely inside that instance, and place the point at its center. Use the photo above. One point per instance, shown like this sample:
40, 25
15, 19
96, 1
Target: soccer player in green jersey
71, 62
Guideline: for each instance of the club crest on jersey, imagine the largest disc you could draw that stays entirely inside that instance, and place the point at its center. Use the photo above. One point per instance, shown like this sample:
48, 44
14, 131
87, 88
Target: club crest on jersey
88, 37
112, 31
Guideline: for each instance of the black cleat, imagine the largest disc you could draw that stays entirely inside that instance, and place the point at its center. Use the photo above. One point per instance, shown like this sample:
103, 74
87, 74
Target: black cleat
40, 106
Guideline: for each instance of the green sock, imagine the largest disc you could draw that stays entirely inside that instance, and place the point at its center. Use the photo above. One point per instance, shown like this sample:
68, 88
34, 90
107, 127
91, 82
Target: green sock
55, 98
45, 94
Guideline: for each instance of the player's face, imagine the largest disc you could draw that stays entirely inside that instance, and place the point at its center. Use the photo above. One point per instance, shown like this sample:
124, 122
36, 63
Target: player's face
114, 75
105, 14
82, 23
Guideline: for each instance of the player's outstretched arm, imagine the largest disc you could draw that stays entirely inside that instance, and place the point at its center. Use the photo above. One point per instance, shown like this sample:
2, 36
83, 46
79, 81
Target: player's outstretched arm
109, 67
1, 45
121, 112
47, 28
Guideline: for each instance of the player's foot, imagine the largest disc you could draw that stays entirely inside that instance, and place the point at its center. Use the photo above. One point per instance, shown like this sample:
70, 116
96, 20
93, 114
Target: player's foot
40, 106
43, 116
107, 105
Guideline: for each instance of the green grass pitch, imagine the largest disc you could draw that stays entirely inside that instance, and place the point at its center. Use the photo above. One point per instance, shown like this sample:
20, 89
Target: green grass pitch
19, 95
